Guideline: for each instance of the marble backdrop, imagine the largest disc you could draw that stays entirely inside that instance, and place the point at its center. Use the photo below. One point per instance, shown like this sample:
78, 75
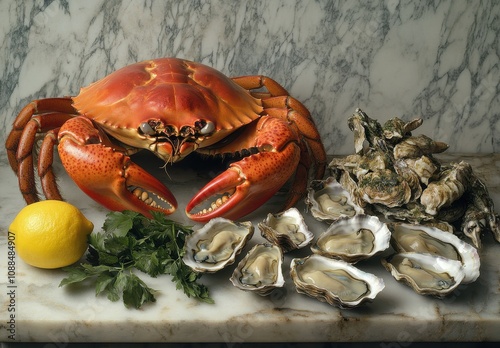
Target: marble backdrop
438, 60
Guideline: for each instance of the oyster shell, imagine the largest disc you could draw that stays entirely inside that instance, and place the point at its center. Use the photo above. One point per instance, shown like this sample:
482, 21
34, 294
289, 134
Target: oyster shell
328, 201
261, 270
334, 281
396, 129
215, 245
287, 229
418, 146
353, 239
426, 274
430, 240
451, 186
384, 187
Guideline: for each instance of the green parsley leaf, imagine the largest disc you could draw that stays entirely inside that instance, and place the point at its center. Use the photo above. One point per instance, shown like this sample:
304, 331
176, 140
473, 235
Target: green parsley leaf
130, 241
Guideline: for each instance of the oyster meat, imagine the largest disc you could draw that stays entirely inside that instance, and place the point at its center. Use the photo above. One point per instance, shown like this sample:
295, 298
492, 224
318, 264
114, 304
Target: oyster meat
287, 229
426, 274
353, 239
334, 281
215, 245
261, 270
328, 201
431, 240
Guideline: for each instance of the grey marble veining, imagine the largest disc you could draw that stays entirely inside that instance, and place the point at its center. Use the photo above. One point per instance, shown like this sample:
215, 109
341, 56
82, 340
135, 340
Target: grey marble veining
435, 60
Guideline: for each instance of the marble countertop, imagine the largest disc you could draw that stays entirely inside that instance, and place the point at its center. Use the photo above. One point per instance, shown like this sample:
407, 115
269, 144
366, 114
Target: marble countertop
44, 312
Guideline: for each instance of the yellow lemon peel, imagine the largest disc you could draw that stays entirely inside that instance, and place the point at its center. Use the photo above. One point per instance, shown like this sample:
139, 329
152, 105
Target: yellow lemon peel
50, 234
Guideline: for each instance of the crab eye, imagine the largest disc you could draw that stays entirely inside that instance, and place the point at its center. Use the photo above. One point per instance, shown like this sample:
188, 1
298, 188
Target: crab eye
208, 128
145, 128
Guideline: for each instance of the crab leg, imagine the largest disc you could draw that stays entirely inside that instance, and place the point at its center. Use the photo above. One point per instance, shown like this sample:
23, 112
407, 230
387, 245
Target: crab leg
250, 182
107, 174
25, 126
277, 102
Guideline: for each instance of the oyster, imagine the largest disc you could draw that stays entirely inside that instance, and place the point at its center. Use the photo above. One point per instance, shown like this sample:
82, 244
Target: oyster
215, 245
328, 201
384, 187
396, 129
426, 274
451, 185
334, 281
288, 230
261, 270
480, 213
430, 240
418, 146
424, 166
353, 239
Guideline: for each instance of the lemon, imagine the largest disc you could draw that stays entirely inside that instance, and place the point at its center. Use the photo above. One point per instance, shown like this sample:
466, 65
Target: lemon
50, 234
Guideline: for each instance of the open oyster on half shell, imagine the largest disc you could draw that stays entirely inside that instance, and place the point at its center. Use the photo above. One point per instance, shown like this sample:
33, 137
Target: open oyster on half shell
426, 274
216, 244
287, 229
329, 201
260, 270
334, 281
431, 240
353, 239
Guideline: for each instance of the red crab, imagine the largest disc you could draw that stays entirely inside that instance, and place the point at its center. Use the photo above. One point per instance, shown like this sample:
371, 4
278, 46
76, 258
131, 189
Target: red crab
170, 107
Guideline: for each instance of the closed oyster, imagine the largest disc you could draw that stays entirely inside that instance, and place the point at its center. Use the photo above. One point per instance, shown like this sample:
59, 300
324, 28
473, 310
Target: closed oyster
384, 187
431, 240
417, 146
451, 186
215, 245
353, 239
396, 129
287, 229
424, 166
426, 274
261, 270
334, 281
329, 201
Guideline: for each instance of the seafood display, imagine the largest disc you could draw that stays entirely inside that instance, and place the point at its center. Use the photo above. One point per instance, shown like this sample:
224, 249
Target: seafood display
396, 174
216, 244
288, 230
334, 281
261, 270
353, 239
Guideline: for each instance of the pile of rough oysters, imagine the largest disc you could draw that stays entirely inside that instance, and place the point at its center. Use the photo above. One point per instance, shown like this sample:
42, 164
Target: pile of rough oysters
394, 173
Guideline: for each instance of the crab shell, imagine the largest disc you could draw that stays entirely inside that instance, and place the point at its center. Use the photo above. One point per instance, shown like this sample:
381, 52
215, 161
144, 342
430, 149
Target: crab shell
263, 265
218, 235
282, 229
431, 240
300, 267
326, 210
356, 247
428, 262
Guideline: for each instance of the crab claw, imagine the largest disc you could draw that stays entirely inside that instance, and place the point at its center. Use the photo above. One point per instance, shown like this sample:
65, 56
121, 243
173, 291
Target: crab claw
245, 185
109, 176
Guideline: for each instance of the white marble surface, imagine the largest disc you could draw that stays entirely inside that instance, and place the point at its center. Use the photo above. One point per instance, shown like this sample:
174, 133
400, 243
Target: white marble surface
45, 312
439, 61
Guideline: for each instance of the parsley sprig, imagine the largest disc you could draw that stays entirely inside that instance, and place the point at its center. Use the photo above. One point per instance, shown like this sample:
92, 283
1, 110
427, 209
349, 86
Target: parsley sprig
130, 241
